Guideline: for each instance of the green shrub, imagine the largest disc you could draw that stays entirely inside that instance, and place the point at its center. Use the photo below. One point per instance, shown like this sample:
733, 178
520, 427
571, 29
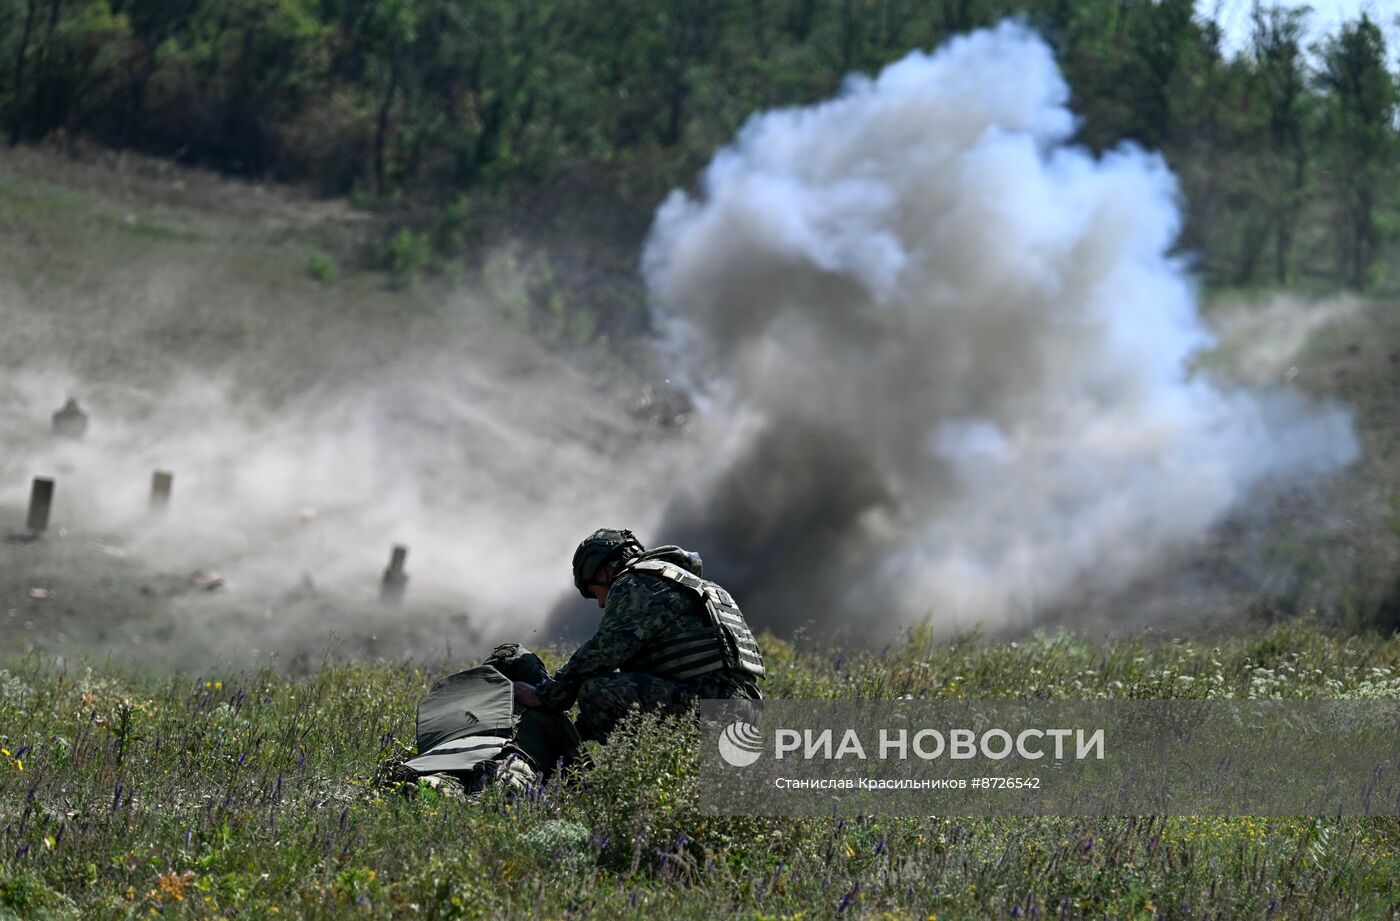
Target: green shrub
24, 894
506, 284
451, 226
322, 268
406, 254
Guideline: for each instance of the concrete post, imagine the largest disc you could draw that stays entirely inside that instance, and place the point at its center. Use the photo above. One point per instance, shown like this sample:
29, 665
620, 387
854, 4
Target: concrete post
40, 502
395, 579
161, 483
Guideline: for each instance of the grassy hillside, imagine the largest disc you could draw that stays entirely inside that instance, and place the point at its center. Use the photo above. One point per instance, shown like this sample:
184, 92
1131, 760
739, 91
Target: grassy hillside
247, 795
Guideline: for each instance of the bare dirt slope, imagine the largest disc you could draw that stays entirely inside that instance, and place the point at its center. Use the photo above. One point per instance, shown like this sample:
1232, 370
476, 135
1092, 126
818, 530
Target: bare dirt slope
310, 425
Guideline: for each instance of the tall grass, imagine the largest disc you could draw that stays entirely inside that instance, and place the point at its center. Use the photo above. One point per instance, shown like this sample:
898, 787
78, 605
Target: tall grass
249, 795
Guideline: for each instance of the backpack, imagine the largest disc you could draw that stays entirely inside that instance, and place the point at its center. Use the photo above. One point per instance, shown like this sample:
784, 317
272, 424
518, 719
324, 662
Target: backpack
471, 730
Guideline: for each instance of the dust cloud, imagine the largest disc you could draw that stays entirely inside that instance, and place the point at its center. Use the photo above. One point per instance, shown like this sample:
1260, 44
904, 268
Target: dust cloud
1260, 339
944, 357
309, 428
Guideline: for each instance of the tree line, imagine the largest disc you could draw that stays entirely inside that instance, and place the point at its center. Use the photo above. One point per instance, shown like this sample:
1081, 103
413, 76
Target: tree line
1286, 149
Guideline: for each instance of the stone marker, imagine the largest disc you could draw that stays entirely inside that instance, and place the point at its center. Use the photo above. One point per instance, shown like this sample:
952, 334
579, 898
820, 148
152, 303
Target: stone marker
395, 579
40, 502
161, 483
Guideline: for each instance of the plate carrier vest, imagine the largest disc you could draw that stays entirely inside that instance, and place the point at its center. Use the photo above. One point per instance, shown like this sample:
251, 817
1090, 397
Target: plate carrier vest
724, 643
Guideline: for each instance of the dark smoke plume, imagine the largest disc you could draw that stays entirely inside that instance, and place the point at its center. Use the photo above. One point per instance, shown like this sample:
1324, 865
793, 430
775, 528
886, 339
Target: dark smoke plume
942, 356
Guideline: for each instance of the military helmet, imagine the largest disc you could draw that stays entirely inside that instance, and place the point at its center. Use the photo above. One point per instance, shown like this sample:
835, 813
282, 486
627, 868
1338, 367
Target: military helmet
598, 549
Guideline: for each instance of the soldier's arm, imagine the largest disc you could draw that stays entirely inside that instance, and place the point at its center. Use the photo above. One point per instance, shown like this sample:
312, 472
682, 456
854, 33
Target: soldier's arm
623, 630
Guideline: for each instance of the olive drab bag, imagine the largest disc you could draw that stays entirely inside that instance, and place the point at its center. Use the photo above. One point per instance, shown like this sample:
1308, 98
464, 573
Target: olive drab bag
470, 721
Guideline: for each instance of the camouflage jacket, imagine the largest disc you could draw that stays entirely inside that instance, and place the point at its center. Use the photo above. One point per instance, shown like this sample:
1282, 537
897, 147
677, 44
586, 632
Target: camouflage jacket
640, 610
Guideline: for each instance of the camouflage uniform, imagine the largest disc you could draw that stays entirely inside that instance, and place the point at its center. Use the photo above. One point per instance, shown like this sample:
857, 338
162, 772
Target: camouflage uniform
606, 674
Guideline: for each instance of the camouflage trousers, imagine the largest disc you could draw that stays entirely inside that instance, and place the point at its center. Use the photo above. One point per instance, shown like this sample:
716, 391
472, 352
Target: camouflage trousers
604, 701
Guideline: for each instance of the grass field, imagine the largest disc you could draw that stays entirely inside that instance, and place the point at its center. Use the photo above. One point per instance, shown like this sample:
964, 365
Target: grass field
137, 791
249, 795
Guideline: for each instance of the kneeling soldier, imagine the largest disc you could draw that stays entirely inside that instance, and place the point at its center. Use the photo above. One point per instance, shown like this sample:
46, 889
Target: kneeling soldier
667, 639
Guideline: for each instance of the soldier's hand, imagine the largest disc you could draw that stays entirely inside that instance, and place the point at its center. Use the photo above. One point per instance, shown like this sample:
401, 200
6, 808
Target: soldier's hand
527, 695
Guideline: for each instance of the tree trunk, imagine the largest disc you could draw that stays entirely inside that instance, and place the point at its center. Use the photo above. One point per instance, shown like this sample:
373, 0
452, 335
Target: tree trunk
1363, 238
381, 125
1283, 242
42, 113
760, 27
954, 16
1256, 240
1288, 218
17, 129
850, 35
684, 41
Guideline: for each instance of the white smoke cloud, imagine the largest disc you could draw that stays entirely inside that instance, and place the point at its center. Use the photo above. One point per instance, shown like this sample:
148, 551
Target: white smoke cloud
944, 355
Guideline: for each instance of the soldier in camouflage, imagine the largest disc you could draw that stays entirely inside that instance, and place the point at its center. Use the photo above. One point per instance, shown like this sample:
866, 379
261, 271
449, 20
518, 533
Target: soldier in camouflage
668, 638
